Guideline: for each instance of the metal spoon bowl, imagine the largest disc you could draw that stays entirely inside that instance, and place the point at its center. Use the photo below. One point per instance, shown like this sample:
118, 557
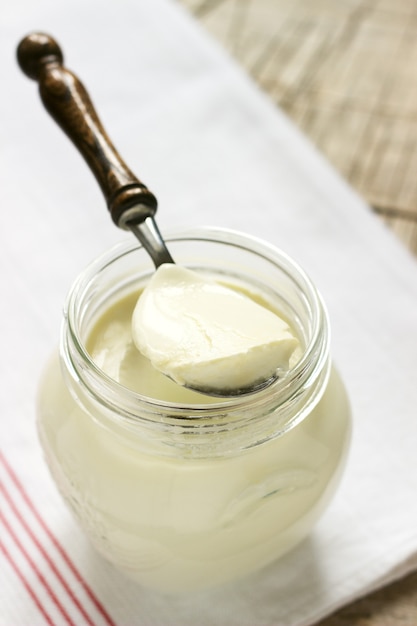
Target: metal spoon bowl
130, 203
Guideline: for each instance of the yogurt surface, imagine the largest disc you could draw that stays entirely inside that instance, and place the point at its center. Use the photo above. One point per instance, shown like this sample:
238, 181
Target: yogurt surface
112, 344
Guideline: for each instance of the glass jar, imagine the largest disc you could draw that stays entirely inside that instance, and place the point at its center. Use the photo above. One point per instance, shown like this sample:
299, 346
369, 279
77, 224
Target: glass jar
182, 496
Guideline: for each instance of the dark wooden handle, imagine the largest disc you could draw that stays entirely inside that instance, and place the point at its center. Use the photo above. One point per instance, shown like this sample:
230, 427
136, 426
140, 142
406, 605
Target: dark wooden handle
67, 101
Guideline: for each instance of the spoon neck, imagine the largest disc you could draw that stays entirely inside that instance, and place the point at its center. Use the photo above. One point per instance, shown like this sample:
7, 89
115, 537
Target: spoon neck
147, 232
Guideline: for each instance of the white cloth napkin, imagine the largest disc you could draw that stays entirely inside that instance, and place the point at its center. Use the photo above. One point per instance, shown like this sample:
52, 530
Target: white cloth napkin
215, 151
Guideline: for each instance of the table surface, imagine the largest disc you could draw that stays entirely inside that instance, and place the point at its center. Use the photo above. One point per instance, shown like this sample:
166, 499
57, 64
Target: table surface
345, 73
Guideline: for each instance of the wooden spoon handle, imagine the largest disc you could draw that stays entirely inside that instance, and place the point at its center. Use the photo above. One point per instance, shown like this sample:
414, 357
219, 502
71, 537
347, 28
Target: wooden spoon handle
67, 101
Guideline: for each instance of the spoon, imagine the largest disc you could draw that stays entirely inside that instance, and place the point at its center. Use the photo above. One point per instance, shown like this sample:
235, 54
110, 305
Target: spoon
132, 206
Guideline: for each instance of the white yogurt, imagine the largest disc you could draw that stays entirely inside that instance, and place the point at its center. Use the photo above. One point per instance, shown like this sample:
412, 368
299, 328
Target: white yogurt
207, 336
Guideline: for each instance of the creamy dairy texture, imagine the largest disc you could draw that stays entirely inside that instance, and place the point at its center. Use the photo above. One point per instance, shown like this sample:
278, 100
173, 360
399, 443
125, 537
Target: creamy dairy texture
177, 523
111, 346
112, 349
205, 335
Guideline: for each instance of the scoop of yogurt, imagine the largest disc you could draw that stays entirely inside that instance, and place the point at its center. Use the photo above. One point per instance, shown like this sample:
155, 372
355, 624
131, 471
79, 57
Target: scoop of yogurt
207, 336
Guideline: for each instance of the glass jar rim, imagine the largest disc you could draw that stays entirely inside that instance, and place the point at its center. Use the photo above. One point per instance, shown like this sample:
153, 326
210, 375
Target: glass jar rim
315, 352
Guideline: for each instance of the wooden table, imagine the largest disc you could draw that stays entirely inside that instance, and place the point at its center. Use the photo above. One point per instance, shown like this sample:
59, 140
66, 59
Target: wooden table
345, 71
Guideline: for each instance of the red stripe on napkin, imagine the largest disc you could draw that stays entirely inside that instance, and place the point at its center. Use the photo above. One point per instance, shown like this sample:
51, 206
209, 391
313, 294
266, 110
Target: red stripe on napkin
25, 583
54, 573
36, 570
46, 556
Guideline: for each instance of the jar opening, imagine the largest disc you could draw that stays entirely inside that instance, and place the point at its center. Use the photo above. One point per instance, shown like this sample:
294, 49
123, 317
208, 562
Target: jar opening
225, 254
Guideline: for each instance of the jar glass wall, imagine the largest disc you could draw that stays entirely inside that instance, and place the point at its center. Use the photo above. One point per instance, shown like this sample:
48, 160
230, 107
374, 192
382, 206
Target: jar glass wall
183, 492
